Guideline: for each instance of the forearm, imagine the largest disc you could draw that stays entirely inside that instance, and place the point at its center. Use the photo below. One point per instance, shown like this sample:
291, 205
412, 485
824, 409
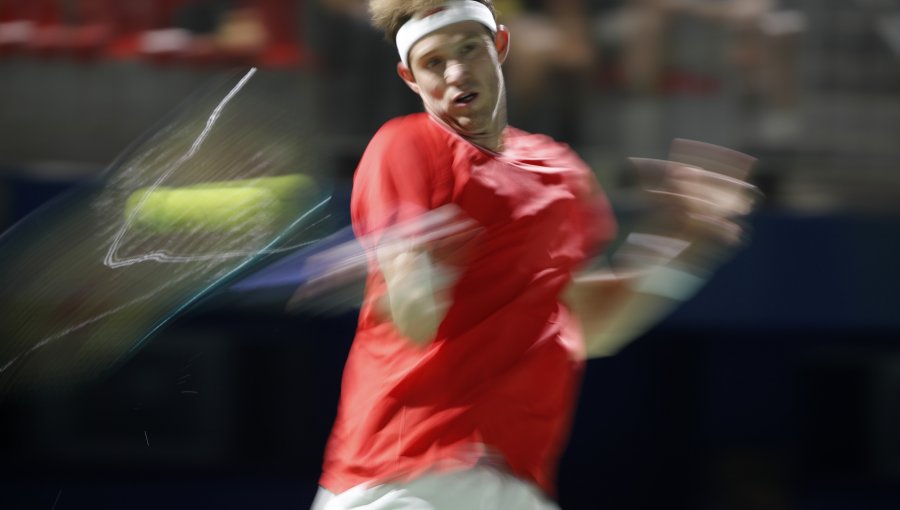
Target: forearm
612, 312
617, 304
416, 300
418, 260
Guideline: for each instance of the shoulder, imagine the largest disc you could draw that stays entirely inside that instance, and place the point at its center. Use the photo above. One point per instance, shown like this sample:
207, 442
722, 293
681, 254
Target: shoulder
546, 155
559, 158
414, 132
404, 143
536, 146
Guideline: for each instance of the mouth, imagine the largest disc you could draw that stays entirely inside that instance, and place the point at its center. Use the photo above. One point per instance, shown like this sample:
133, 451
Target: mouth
465, 98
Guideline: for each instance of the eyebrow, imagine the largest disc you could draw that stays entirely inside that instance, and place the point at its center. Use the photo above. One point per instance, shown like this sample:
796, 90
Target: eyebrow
466, 38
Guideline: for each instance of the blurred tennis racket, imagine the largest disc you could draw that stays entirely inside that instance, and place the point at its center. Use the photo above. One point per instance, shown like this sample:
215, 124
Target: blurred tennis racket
228, 181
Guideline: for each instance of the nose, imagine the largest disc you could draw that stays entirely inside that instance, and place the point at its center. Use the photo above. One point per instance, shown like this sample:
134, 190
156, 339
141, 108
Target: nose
456, 72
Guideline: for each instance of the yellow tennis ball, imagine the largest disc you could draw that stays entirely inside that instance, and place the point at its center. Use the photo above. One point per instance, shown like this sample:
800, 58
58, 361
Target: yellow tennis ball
234, 205
202, 209
287, 188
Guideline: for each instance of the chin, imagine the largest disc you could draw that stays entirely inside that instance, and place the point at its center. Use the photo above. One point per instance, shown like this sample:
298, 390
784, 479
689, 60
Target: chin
469, 125
463, 128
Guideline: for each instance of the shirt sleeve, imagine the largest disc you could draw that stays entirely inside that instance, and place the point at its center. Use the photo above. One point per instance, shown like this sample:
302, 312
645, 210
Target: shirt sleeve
594, 213
393, 182
600, 221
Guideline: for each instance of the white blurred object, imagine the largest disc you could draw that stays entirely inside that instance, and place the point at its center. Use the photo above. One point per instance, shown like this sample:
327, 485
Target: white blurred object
778, 128
779, 23
481, 486
243, 31
16, 32
166, 40
888, 28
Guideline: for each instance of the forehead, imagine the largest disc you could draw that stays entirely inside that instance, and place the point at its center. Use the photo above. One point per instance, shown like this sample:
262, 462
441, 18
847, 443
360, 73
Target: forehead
448, 36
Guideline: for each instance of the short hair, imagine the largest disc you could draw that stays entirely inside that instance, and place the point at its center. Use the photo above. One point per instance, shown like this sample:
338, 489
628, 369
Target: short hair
389, 15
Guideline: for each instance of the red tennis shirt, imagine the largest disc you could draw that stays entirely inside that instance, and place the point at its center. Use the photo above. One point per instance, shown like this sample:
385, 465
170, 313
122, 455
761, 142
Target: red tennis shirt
502, 374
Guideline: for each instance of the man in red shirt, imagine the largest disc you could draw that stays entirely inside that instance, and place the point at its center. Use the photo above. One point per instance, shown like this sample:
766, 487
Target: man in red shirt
459, 388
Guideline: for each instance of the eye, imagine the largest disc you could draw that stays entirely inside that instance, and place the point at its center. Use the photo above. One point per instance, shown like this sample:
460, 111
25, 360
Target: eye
468, 48
434, 62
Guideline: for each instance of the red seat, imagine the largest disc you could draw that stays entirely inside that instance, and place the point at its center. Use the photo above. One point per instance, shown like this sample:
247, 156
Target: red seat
90, 28
285, 47
264, 33
49, 35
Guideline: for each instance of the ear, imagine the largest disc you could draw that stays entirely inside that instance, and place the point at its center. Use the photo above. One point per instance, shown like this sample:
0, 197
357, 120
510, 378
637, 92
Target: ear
407, 76
501, 42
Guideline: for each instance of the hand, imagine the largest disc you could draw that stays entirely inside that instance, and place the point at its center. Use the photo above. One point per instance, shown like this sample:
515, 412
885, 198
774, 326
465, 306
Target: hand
702, 193
704, 205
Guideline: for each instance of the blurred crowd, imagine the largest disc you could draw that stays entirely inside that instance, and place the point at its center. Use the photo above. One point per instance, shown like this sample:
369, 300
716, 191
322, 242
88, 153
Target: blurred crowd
565, 50
615, 78
561, 43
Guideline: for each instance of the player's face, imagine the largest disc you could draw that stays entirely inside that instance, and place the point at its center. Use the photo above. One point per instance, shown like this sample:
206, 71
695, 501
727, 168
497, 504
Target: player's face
456, 71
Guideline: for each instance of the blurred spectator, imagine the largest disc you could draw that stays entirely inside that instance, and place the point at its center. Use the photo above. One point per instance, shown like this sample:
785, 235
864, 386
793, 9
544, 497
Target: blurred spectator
550, 66
360, 90
761, 46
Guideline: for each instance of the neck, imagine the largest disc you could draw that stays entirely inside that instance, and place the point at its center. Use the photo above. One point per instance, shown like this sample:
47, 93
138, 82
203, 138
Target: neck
492, 141
492, 138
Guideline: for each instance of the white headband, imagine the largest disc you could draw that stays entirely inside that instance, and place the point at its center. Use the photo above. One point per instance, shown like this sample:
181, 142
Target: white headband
451, 12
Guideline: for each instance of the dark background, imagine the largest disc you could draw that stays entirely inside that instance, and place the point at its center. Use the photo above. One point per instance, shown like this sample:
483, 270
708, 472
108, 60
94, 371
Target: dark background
777, 387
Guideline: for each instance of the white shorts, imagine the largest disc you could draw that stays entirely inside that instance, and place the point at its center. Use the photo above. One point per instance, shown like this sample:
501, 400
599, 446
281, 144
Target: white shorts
482, 487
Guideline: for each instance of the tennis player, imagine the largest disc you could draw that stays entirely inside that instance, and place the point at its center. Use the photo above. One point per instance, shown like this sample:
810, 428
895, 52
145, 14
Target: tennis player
459, 387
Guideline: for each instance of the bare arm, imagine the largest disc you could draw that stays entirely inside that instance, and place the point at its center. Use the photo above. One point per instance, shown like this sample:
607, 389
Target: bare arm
616, 307
417, 299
